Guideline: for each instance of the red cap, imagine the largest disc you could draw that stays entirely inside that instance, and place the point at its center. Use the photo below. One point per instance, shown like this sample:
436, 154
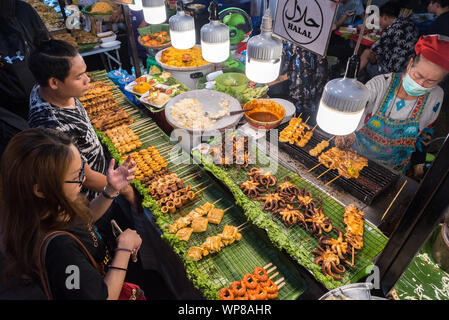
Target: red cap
434, 48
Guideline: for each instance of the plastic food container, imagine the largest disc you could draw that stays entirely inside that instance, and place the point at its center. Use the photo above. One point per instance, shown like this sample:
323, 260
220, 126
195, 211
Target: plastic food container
107, 36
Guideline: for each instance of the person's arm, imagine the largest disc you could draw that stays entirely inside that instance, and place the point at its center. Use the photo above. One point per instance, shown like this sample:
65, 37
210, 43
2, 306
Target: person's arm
96, 181
128, 240
117, 179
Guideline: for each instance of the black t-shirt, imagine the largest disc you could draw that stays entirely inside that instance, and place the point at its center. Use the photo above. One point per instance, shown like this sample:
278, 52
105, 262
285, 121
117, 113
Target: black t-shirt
18, 35
65, 257
439, 26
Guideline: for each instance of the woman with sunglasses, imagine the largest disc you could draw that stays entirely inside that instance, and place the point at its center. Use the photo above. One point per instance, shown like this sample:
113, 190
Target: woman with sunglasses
41, 174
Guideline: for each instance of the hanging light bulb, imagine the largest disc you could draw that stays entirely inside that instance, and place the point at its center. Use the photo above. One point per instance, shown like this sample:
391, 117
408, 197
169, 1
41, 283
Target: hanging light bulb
137, 6
343, 102
182, 29
263, 55
154, 11
215, 37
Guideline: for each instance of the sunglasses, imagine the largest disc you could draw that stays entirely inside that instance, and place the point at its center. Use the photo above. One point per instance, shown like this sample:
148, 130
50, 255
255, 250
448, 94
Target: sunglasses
81, 174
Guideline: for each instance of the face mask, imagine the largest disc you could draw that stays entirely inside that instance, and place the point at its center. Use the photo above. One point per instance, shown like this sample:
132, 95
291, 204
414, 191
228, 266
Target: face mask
412, 88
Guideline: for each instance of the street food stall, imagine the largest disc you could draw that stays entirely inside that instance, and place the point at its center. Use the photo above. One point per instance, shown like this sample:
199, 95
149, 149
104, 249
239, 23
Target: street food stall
260, 204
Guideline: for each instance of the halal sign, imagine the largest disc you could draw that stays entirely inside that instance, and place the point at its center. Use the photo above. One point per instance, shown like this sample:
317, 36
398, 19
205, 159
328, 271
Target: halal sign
305, 22
301, 23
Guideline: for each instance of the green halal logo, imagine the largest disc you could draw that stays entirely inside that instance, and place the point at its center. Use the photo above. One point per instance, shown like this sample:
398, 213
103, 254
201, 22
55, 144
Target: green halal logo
303, 20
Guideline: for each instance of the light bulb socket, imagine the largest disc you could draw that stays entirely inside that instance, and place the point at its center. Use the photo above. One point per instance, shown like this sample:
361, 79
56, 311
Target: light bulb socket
213, 11
267, 22
352, 67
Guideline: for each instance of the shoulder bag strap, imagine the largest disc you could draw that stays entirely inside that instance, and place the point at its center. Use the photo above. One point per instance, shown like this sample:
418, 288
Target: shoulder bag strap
43, 250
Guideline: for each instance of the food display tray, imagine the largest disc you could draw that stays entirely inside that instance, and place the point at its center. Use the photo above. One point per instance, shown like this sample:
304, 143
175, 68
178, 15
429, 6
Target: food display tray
218, 270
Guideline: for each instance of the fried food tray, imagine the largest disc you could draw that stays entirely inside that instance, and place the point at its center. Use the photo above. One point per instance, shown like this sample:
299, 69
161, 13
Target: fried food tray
372, 181
296, 240
232, 262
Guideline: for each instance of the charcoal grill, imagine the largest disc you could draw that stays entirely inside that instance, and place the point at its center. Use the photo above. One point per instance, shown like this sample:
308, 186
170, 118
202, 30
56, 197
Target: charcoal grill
372, 181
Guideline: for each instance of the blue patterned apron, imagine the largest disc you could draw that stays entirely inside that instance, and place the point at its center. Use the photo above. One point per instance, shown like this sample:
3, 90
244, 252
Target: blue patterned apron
388, 141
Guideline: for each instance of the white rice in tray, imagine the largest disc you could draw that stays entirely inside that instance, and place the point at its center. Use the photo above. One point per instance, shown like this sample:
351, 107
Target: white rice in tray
189, 113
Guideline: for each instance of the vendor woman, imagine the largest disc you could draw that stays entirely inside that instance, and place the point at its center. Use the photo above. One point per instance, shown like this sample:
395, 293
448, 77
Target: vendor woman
403, 105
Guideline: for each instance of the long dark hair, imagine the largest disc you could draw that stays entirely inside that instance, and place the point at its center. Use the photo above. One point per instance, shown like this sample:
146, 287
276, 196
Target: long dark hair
34, 156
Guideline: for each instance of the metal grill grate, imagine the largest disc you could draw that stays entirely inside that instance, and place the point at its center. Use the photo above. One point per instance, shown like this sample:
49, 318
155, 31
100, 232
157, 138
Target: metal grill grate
372, 180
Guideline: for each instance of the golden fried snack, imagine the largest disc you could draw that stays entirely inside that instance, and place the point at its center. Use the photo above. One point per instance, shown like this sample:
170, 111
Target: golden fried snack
319, 148
215, 215
354, 221
195, 253
199, 224
294, 131
184, 234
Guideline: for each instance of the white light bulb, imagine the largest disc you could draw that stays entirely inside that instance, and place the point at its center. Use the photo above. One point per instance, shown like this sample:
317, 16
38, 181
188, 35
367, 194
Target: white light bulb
154, 15
262, 71
183, 39
137, 6
337, 122
215, 52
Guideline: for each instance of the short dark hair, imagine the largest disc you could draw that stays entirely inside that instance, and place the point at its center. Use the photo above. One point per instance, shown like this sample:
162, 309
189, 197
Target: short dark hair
51, 59
443, 3
390, 9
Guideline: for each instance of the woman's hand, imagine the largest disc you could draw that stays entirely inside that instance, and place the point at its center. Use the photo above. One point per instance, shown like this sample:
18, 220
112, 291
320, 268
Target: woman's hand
119, 178
129, 239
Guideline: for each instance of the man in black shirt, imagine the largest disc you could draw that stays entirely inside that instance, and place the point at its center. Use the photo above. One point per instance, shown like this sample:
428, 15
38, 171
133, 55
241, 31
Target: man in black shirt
441, 24
20, 28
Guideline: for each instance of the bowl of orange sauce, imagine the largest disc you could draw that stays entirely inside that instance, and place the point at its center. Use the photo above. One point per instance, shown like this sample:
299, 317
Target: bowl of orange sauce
265, 114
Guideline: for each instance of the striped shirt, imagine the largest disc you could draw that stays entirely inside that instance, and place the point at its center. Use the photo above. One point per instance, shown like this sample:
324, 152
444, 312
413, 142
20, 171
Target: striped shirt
72, 121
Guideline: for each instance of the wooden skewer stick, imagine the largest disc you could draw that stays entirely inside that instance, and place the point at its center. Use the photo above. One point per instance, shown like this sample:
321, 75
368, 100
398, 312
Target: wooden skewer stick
272, 269
281, 285
138, 122
147, 134
333, 180
199, 185
145, 129
241, 229
181, 173
319, 164
324, 173
279, 281
202, 189
352, 256
228, 208
313, 128
192, 177
142, 125
268, 265
151, 134
181, 167
330, 139
217, 201
394, 199
305, 122
243, 224
274, 275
